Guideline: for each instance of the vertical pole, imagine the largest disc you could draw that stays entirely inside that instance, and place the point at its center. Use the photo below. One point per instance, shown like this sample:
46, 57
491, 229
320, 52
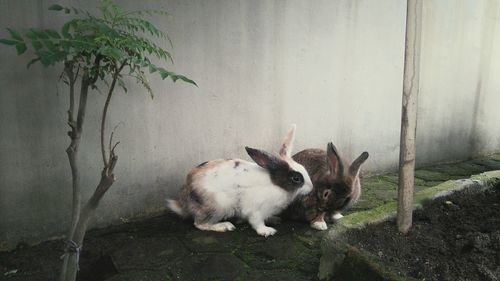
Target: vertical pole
409, 114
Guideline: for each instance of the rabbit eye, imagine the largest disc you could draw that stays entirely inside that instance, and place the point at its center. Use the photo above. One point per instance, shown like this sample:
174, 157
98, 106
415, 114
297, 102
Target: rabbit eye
297, 178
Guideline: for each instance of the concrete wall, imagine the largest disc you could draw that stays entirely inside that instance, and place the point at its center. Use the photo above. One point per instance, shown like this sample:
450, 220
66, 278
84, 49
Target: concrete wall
334, 68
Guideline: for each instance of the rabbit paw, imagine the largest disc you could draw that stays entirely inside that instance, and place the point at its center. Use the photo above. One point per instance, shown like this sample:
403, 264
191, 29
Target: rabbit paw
219, 227
337, 216
266, 231
319, 225
225, 226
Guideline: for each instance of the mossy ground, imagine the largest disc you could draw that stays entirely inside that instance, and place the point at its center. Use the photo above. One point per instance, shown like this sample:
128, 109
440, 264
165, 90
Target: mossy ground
377, 190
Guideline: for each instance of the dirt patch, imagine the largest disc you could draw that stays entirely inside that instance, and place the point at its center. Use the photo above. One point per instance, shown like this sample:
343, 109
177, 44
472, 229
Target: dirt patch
453, 238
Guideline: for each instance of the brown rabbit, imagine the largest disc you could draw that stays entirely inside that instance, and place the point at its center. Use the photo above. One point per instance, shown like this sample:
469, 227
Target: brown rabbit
336, 186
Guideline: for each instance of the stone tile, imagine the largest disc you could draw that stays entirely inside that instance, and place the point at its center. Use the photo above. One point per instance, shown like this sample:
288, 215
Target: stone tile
285, 252
209, 266
151, 252
277, 274
141, 275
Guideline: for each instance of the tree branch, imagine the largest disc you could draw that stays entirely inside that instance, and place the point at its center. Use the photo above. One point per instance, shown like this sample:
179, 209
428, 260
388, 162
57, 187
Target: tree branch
68, 70
105, 111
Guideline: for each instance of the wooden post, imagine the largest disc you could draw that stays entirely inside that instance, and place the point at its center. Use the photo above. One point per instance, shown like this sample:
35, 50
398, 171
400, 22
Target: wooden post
409, 114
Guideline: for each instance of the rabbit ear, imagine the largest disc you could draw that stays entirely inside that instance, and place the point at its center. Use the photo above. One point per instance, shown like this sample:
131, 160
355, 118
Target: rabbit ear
333, 160
264, 159
356, 164
287, 145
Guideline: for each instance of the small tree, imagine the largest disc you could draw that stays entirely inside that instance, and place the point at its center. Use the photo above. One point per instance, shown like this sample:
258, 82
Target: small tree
92, 48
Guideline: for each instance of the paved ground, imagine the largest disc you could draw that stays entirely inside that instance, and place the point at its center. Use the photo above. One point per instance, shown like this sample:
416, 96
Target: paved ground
168, 248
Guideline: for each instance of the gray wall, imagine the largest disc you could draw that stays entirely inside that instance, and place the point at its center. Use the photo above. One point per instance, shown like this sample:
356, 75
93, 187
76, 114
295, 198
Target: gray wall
332, 67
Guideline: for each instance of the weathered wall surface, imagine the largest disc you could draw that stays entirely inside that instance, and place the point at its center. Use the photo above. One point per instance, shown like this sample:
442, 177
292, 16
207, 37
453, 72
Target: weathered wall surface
459, 85
334, 68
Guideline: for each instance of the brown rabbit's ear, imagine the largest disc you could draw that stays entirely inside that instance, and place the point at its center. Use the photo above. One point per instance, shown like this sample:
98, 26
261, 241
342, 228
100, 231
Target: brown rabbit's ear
264, 159
287, 145
356, 164
333, 160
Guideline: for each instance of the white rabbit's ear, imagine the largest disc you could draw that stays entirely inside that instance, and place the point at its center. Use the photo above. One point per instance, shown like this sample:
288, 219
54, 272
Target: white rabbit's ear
265, 160
287, 145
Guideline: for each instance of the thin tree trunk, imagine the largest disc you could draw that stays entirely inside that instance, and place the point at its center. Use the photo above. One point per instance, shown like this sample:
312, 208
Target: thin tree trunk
409, 115
77, 234
72, 151
107, 179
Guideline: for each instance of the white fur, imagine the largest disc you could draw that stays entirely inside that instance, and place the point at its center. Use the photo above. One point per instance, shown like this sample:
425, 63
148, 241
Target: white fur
337, 216
175, 207
319, 225
246, 191
219, 227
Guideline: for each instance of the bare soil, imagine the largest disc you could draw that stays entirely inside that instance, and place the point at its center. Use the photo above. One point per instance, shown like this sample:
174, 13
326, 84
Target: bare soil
453, 238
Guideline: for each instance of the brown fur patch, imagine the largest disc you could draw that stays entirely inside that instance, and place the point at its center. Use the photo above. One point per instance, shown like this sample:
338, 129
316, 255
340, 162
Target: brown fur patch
194, 198
345, 187
319, 218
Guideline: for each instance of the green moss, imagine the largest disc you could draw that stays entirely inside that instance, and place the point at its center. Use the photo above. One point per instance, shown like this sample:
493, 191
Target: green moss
489, 178
377, 214
429, 175
453, 170
377, 183
393, 178
206, 240
307, 240
471, 167
240, 278
495, 157
247, 256
489, 164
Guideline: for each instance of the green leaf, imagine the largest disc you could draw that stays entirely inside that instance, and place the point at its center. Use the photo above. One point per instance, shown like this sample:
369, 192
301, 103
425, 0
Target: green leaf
52, 33
163, 73
39, 33
31, 34
122, 85
185, 79
67, 10
65, 30
15, 34
21, 48
36, 45
8, 42
50, 45
152, 68
32, 62
55, 7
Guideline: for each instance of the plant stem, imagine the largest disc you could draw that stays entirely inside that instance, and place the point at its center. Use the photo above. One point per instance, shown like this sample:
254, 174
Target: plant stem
72, 151
105, 112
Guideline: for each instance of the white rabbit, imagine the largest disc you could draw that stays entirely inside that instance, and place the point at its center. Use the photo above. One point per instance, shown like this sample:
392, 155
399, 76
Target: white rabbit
222, 189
